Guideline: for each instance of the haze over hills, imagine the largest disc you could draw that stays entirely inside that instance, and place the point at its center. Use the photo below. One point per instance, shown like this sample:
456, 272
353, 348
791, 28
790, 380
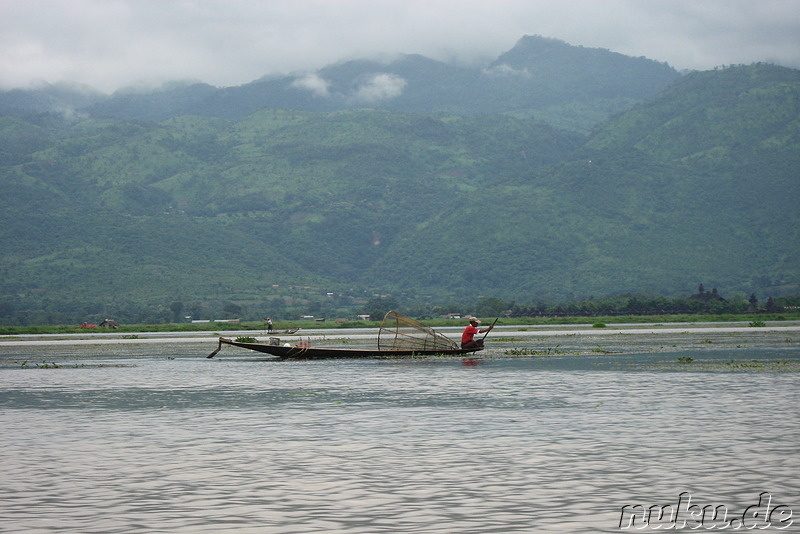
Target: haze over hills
568, 86
554, 172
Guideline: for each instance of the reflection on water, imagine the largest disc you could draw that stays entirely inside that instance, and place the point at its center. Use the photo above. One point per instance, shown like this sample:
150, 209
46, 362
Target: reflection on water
511, 445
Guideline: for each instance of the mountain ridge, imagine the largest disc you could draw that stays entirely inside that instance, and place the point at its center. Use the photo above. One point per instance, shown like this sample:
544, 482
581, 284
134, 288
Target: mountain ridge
606, 82
288, 209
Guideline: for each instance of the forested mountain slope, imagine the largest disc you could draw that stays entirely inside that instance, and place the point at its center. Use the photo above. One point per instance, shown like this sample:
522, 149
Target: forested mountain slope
700, 183
279, 208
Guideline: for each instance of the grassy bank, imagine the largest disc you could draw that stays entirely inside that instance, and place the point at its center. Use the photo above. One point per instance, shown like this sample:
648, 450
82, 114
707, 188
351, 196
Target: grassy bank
283, 325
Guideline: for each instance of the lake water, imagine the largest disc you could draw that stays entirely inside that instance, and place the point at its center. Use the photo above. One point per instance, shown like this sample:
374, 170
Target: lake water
157, 438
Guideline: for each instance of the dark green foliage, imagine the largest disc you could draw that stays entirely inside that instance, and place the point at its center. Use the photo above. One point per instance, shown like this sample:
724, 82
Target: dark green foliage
621, 214
289, 210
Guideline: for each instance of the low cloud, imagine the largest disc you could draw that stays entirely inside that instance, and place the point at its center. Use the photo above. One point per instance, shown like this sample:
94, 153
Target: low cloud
113, 44
507, 71
70, 114
314, 83
383, 86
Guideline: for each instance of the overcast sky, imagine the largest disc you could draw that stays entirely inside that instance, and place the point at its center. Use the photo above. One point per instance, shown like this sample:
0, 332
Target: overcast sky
108, 44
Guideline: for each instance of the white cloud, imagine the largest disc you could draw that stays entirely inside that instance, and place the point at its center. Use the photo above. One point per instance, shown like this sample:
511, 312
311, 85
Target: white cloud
113, 43
70, 114
506, 70
379, 87
314, 83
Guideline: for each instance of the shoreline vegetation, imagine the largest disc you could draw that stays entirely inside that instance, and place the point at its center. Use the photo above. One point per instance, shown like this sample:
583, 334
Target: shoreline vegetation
754, 319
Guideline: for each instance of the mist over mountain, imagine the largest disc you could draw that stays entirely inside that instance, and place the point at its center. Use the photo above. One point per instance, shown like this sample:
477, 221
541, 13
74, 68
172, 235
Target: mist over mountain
568, 86
554, 172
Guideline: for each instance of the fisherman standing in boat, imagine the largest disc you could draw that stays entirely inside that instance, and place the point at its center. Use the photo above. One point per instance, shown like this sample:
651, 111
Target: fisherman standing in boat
468, 340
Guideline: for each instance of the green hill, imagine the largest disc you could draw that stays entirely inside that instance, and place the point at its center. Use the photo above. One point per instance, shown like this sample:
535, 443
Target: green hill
700, 183
306, 210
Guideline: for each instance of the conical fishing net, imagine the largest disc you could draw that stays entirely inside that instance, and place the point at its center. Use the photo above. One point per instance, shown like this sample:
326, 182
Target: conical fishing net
399, 332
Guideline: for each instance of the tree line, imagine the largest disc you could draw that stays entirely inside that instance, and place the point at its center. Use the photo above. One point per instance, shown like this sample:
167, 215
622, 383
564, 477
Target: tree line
341, 307
639, 305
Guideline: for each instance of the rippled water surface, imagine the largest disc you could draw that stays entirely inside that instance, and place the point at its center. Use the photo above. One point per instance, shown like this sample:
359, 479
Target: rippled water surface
161, 439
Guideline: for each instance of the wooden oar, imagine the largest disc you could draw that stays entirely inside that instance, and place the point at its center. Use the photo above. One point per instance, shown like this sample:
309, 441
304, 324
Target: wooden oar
216, 351
487, 333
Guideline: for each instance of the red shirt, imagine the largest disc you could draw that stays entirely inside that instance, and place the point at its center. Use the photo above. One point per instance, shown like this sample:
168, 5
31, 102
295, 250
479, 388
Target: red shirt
469, 333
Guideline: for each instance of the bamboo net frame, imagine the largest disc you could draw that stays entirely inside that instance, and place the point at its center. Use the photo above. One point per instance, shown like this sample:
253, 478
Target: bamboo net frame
399, 332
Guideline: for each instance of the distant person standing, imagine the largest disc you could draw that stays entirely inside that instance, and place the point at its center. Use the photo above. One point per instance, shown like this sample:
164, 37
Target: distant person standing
269, 325
468, 340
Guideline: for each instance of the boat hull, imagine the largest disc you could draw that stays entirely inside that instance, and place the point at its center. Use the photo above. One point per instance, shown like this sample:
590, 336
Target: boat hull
315, 353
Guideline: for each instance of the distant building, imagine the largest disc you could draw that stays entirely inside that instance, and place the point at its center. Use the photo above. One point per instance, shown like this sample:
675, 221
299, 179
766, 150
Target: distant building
707, 296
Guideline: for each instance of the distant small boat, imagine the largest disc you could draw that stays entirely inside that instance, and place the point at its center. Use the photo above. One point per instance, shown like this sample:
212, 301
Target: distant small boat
399, 336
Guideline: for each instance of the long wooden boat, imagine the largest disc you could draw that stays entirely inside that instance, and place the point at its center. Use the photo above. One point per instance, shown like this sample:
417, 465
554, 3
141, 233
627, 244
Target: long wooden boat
317, 353
398, 336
